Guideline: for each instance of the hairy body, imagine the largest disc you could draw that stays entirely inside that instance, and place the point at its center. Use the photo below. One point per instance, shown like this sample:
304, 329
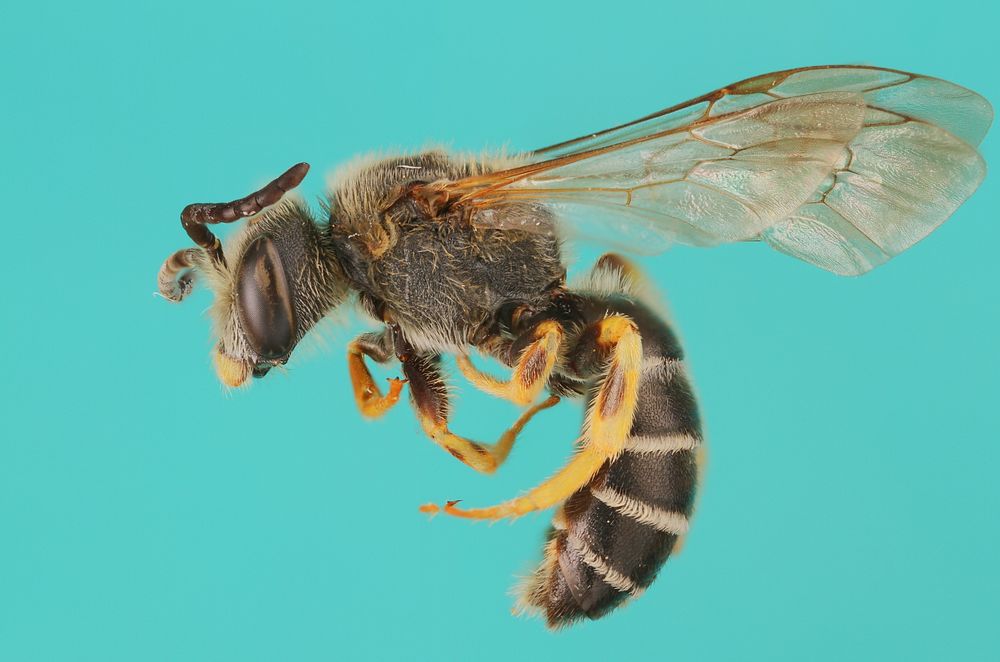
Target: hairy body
439, 285
843, 167
443, 285
441, 280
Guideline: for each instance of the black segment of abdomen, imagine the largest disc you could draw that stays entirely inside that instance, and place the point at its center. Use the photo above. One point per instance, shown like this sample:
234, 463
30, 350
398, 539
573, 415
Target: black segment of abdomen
667, 481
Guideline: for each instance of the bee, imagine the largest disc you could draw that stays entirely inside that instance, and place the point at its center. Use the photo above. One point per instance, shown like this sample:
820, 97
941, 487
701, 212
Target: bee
843, 167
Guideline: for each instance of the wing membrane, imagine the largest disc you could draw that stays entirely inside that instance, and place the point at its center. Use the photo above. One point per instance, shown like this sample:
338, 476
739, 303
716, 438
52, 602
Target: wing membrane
897, 184
726, 178
843, 167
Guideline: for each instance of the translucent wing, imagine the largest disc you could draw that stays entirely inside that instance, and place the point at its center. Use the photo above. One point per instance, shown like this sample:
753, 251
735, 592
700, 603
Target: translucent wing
843, 167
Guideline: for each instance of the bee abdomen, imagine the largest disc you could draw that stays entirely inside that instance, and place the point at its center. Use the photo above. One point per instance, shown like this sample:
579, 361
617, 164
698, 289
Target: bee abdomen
610, 538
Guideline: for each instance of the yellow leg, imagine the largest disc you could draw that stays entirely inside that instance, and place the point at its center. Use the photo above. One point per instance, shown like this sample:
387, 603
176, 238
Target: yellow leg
532, 372
367, 395
481, 457
607, 426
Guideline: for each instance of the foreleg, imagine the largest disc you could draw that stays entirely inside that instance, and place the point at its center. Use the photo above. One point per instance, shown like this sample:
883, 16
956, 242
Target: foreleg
367, 394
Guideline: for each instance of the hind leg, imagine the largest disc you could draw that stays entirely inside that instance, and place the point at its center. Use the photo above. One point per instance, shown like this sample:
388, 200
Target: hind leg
531, 372
607, 425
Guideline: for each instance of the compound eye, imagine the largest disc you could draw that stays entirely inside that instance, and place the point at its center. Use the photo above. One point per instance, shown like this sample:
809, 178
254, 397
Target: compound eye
264, 300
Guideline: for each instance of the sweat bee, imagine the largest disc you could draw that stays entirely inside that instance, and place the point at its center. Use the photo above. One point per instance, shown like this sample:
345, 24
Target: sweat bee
843, 167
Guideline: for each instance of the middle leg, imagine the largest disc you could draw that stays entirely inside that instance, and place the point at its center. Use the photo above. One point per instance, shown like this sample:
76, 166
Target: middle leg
430, 399
608, 421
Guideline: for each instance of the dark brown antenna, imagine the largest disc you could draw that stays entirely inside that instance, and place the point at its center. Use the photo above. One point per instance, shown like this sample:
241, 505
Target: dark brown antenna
197, 216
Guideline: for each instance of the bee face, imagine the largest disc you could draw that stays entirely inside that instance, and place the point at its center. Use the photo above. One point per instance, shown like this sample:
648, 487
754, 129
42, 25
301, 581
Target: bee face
281, 281
255, 314
278, 278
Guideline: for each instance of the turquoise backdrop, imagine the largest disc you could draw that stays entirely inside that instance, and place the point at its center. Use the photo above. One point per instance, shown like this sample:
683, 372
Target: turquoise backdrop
850, 507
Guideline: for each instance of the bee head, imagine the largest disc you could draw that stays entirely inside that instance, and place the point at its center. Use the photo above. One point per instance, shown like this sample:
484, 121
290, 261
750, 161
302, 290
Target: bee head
273, 281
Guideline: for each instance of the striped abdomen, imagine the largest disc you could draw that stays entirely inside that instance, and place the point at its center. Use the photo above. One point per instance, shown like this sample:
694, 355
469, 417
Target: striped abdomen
610, 538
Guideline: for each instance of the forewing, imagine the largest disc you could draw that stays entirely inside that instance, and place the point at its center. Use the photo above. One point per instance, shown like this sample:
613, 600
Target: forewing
951, 107
909, 168
843, 167
724, 179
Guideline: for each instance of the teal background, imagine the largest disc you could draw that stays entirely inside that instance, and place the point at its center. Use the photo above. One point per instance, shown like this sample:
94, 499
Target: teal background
850, 507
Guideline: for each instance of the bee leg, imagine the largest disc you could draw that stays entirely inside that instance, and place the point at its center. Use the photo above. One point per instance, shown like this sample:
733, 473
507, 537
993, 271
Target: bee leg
531, 372
430, 399
486, 458
367, 395
609, 419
